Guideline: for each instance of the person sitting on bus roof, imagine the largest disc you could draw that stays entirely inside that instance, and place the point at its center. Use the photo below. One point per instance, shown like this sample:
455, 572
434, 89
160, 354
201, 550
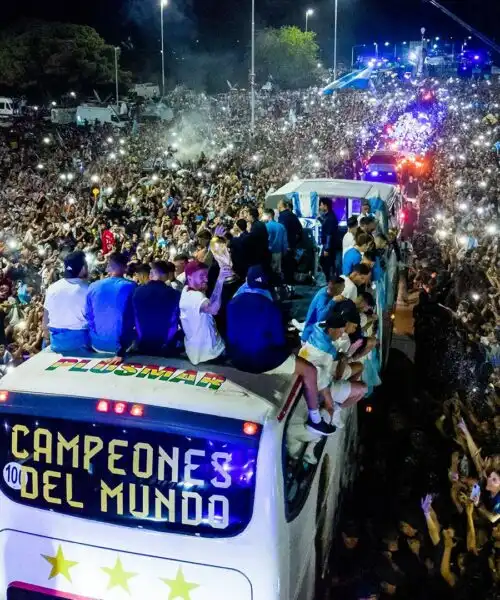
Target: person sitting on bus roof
350, 237
336, 378
141, 273
354, 255
64, 317
202, 339
323, 301
156, 312
109, 309
368, 224
360, 275
256, 341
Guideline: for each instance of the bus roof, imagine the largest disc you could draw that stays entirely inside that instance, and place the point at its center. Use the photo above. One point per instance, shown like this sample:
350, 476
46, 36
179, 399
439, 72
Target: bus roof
340, 188
170, 383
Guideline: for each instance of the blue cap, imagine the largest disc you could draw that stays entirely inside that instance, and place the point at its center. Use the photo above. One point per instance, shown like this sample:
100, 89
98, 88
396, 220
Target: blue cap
257, 278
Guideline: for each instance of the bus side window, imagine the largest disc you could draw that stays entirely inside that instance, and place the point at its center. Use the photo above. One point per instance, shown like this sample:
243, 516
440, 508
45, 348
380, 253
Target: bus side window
2, 105
301, 448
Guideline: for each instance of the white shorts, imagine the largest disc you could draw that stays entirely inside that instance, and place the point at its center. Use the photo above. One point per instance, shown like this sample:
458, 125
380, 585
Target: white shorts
286, 368
341, 390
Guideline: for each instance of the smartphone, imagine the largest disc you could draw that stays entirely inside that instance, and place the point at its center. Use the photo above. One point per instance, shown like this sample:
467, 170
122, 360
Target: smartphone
475, 493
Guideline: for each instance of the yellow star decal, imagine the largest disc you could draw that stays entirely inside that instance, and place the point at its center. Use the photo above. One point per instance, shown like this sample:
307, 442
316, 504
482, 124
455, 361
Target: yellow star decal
179, 587
60, 566
117, 576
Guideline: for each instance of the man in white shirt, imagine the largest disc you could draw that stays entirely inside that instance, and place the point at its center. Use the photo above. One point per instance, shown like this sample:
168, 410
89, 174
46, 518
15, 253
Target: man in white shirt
349, 238
360, 275
202, 340
64, 317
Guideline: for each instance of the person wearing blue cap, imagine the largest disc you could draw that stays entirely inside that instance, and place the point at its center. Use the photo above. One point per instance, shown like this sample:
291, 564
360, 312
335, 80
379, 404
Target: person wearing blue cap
256, 341
65, 322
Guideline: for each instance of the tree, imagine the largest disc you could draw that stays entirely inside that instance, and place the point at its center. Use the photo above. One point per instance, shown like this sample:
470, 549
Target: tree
55, 57
289, 55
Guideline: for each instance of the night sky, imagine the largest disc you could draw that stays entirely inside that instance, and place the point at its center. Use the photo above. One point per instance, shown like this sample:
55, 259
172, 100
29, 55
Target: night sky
221, 28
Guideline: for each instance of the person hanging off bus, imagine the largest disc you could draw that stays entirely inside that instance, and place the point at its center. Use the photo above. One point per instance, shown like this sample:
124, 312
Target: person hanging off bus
322, 304
354, 255
109, 309
65, 324
337, 379
256, 342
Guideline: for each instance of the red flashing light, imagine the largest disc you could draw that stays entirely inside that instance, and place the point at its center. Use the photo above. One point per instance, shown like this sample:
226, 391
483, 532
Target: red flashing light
250, 428
120, 408
4, 396
137, 410
103, 406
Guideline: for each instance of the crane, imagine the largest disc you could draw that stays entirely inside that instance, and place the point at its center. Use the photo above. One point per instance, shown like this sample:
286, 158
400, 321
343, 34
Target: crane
486, 40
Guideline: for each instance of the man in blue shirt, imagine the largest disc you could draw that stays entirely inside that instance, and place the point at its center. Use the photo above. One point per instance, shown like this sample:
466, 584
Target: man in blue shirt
109, 309
156, 312
322, 303
354, 255
278, 241
256, 342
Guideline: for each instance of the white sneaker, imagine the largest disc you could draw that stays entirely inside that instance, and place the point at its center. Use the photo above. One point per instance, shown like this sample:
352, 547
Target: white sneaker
297, 325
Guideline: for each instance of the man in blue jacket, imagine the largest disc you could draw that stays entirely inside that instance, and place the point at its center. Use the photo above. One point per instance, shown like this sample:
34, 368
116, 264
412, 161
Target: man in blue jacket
256, 342
330, 240
156, 311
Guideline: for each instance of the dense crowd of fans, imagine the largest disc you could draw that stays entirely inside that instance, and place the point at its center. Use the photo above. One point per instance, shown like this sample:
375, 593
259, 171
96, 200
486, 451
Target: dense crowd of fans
429, 489
155, 240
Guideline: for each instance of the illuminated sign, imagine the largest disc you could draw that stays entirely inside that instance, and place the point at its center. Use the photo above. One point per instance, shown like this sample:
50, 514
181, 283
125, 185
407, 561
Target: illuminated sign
168, 374
136, 477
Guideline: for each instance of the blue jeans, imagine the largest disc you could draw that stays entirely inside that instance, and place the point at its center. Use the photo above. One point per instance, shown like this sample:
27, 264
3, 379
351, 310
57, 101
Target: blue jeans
69, 341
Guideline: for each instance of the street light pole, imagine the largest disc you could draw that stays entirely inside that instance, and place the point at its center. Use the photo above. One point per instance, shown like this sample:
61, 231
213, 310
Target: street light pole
163, 3
335, 42
376, 48
252, 74
309, 12
116, 78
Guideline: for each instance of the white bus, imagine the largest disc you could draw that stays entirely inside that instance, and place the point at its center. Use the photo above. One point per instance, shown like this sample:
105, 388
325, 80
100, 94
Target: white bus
153, 480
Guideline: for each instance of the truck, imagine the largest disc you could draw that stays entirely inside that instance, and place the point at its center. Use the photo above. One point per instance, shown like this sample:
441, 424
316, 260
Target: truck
99, 114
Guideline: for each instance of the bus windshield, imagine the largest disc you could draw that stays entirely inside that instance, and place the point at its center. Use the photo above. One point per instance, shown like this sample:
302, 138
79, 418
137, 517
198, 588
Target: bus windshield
154, 479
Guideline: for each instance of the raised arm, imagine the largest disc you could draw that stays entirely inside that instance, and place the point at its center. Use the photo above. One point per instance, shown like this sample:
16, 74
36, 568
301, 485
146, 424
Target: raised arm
446, 572
212, 306
431, 519
474, 451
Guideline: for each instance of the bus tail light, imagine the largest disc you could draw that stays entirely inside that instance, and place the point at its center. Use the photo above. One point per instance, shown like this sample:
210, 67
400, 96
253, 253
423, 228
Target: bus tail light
4, 396
250, 428
103, 406
137, 410
120, 408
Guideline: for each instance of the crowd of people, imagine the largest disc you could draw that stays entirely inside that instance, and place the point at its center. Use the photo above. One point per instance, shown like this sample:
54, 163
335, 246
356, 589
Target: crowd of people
429, 487
156, 241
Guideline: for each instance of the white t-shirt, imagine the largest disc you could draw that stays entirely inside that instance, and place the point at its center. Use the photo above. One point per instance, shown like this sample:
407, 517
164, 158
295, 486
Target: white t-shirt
350, 290
347, 242
66, 303
202, 340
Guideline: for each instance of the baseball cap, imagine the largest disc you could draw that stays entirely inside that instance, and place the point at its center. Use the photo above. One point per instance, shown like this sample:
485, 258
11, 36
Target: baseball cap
194, 266
73, 264
334, 321
257, 278
347, 309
